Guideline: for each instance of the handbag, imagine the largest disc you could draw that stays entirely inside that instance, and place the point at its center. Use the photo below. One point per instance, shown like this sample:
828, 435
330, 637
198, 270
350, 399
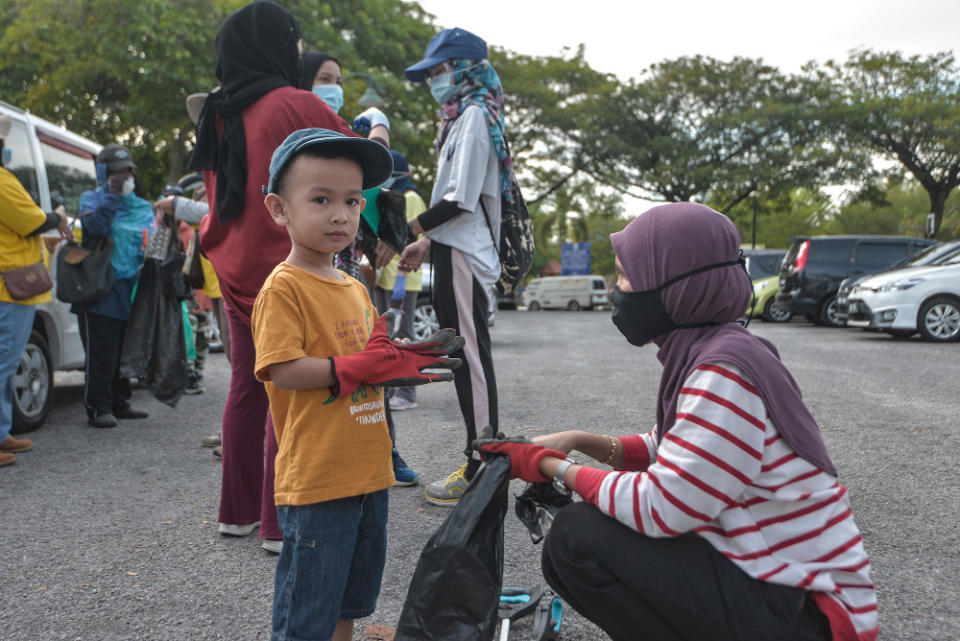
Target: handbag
84, 274
27, 282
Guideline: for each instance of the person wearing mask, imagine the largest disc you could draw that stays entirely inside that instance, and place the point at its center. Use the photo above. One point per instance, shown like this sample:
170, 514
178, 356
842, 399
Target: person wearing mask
726, 520
462, 225
114, 209
21, 223
256, 107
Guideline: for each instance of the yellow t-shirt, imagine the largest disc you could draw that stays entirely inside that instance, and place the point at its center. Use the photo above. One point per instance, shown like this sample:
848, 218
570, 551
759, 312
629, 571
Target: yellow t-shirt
388, 275
19, 216
211, 284
329, 448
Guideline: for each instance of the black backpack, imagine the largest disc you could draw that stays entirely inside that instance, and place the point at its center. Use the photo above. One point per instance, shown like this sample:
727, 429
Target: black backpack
516, 240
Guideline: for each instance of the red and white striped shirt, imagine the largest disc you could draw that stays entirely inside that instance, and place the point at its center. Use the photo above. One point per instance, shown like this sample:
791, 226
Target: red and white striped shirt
724, 472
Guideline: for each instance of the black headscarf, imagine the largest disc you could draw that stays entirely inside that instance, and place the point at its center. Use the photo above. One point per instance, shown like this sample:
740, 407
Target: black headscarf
312, 61
256, 53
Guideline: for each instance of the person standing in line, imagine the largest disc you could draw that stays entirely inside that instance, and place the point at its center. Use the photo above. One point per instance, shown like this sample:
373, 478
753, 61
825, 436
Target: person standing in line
21, 223
115, 210
462, 225
256, 107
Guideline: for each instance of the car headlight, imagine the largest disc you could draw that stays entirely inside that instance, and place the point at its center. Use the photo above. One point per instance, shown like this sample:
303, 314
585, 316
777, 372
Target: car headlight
900, 285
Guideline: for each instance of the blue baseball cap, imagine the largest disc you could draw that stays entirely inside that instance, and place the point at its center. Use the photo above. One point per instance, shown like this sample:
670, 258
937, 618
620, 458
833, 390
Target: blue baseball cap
375, 159
447, 45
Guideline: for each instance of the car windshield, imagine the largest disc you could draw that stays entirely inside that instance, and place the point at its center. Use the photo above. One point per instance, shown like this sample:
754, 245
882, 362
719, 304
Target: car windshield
931, 255
764, 265
949, 257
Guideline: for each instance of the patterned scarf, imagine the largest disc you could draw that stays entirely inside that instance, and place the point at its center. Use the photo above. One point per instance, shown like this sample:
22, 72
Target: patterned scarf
478, 84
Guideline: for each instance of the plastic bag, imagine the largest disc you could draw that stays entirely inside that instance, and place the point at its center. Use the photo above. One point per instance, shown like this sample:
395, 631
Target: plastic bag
455, 591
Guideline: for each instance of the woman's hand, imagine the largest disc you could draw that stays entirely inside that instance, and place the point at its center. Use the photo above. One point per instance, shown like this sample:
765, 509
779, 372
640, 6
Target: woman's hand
384, 254
561, 441
413, 254
525, 456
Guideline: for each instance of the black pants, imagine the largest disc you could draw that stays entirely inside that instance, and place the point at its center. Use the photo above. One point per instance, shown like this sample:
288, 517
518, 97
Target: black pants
106, 391
461, 303
640, 588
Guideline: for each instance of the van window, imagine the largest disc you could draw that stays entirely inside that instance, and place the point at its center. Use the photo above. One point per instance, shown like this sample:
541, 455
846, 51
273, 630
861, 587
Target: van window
22, 163
872, 254
830, 250
599, 284
70, 171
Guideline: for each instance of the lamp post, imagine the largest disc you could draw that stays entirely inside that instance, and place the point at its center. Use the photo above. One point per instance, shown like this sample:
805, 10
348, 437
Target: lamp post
371, 97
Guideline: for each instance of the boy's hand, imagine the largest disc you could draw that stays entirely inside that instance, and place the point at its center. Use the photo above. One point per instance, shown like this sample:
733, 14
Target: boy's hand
384, 362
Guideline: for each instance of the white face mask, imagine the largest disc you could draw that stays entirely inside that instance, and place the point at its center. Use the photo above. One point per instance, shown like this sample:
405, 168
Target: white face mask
128, 185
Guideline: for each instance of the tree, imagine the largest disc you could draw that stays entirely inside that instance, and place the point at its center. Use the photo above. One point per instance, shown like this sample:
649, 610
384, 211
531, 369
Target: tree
696, 127
905, 108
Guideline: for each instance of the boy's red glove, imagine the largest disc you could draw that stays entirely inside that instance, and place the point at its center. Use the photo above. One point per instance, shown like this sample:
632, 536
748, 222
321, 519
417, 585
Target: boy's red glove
525, 456
383, 362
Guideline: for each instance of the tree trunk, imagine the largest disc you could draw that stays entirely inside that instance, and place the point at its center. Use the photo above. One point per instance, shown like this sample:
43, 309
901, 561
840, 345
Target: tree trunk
938, 200
178, 157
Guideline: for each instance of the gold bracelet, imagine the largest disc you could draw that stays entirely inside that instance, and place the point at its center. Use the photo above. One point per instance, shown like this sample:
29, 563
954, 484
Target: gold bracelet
613, 451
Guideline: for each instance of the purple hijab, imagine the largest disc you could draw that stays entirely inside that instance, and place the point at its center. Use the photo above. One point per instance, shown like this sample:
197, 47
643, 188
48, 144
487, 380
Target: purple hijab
673, 239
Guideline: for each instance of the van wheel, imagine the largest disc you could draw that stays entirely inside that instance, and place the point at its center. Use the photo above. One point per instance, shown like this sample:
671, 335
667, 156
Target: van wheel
32, 386
828, 313
939, 319
534, 306
573, 306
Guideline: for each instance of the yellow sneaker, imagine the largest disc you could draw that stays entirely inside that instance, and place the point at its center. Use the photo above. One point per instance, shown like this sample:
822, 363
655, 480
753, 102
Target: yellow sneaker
449, 491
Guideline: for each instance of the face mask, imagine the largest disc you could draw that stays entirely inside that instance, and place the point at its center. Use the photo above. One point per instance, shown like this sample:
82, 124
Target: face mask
330, 94
128, 185
6, 155
442, 88
642, 316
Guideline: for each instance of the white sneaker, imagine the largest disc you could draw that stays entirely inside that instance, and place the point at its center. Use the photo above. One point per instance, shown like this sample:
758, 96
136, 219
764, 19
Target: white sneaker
398, 404
272, 546
228, 529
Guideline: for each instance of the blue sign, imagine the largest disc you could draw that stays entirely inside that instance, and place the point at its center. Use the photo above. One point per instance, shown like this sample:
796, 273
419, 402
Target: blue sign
575, 258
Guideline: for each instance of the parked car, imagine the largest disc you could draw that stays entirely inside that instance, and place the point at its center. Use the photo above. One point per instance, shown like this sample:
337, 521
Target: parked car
922, 299
55, 166
814, 267
566, 292
932, 255
763, 266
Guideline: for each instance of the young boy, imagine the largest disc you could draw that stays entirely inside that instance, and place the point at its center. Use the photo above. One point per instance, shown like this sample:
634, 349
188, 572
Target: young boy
324, 357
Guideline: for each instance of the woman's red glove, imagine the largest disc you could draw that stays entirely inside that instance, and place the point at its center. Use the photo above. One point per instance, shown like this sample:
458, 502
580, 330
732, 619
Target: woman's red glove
525, 456
383, 362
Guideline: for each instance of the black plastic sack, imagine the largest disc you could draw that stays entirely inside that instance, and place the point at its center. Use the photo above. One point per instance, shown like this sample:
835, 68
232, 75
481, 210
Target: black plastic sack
154, 344
455, 590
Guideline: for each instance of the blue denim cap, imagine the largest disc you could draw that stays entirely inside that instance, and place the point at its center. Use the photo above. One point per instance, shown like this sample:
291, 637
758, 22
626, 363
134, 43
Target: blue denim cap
448, 45
375, 159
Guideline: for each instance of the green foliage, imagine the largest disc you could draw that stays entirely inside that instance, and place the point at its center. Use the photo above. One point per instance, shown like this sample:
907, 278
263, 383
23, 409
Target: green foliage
901, 208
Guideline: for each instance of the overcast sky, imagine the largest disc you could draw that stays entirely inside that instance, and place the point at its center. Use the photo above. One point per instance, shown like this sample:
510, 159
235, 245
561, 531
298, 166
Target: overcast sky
624, 37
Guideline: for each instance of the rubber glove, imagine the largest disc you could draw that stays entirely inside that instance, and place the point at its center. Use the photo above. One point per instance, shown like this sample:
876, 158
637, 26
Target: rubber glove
384, 362
524, 454
369, 119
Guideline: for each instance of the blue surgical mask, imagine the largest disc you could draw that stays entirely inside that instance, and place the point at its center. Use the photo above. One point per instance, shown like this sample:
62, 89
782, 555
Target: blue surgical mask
7, 155
330, 94
442, 88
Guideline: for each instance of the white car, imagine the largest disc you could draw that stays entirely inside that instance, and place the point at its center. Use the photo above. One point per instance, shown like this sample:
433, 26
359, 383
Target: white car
917, 299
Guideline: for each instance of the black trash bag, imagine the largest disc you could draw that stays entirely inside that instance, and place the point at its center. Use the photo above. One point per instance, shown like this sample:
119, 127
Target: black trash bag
392, 228
455, 591
154, 344
537, 505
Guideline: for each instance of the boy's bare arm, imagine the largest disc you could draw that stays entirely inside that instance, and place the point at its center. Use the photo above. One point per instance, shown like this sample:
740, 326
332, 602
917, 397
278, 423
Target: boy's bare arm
306, 372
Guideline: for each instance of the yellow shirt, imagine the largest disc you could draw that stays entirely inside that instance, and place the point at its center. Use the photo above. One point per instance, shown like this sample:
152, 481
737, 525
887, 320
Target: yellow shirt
19, 216
211, 285
388, 275
328, 448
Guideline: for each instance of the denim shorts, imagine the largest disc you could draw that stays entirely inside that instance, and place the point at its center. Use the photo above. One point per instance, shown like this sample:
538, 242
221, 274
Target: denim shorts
331, 565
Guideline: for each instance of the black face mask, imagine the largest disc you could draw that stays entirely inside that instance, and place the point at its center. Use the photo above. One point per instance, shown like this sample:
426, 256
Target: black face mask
642, 316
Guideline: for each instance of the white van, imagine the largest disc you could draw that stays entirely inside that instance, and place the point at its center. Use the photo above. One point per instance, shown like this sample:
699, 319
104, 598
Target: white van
566, 292
55, 167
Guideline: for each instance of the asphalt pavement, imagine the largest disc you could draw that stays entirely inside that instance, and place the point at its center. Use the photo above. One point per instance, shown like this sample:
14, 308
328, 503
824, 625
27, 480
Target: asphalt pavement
110, 535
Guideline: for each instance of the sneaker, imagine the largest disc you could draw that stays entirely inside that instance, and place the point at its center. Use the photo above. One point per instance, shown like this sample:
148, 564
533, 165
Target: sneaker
449, 491
218, 451
103, 420
16, 445
398, 404
6, 458
228, 529
211, 440
402, 474
194, 385
272, 546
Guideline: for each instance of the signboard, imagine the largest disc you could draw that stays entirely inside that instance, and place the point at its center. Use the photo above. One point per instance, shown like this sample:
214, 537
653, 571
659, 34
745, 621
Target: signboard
575, 258
931, 224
